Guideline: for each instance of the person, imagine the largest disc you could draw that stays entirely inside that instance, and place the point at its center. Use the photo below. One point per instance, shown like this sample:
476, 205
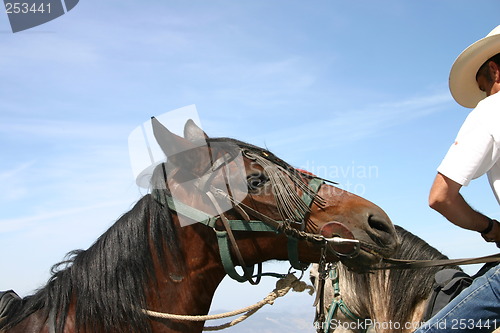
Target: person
474, 83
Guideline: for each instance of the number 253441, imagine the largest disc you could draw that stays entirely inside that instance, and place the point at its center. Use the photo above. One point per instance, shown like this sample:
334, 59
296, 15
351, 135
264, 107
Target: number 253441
27, 8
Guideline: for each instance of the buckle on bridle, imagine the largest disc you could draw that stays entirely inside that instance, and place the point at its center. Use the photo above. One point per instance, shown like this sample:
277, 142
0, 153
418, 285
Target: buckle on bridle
331, 242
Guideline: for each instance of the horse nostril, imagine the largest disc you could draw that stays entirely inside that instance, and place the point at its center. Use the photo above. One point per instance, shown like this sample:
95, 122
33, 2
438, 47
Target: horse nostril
382, 231
379, 224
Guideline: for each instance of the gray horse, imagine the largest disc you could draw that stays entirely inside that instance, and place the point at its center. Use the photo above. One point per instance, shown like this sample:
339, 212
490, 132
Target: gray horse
384, 301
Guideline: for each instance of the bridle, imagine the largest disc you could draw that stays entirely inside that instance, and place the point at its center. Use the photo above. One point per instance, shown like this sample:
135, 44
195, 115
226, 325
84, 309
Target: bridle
259, 223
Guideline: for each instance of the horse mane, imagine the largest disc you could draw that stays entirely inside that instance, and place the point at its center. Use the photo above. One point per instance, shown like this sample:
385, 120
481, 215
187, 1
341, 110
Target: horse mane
108, 281
402, 289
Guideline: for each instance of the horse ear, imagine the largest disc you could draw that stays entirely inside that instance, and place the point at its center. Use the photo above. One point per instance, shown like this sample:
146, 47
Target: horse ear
170, 143
181, 152
193, 133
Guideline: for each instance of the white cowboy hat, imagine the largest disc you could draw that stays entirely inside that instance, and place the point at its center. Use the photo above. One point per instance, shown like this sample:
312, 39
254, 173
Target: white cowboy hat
463, 85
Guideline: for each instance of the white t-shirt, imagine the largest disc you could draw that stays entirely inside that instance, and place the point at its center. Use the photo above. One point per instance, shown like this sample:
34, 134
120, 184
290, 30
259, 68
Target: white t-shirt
476, 150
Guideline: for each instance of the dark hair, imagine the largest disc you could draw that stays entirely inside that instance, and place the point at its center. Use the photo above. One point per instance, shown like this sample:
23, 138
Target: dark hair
108, 281
483, 70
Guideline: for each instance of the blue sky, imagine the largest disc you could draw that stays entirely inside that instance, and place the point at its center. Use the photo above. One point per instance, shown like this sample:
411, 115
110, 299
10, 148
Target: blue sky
353, 90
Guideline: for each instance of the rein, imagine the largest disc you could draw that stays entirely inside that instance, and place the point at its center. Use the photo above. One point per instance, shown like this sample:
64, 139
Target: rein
412, 264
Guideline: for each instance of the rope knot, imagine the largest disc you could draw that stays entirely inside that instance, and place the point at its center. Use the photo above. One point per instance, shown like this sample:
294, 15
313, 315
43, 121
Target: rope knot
291, 282
300, 286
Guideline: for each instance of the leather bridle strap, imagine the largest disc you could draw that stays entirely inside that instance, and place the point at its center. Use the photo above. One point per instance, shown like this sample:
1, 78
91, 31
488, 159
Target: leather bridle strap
410, 264
222, 237
293, 242
226, 237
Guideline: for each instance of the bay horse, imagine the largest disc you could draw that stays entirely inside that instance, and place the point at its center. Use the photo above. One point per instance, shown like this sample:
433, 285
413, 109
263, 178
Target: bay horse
392, 300
150, 260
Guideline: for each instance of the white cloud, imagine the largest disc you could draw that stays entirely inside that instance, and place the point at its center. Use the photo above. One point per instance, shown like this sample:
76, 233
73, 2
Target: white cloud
12, 183
38, 128
347, 126
24, 222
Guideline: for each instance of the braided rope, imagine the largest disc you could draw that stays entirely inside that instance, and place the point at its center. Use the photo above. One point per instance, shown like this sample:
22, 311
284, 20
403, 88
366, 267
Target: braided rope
283, 286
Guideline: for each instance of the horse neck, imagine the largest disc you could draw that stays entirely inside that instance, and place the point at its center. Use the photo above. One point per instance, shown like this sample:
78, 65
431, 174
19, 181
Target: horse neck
189, 288
188, 285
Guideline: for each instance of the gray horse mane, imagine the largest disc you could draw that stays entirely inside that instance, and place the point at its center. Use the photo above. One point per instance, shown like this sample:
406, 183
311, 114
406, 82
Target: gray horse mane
398, 291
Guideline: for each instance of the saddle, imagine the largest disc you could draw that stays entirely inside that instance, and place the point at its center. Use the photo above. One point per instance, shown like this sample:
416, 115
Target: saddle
448, 284
9, 302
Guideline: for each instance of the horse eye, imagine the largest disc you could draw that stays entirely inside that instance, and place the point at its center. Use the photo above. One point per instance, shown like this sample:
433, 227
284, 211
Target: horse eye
256, 181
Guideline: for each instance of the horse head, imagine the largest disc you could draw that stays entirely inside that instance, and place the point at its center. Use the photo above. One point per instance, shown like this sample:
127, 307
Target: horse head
213, 201
235, 181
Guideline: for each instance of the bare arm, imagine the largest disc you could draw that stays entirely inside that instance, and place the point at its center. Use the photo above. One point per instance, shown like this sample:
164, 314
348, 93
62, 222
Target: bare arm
445, 198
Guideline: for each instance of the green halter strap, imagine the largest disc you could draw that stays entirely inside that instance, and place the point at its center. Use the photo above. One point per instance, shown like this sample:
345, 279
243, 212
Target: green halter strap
338, 303
239, 225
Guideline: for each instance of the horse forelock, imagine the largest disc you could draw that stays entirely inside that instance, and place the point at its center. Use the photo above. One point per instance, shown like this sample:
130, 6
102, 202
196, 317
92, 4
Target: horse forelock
107, 283
284, 178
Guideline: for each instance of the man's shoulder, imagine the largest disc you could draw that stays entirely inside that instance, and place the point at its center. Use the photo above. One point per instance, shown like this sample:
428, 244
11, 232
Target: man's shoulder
489, 104
485, 117
487, 111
